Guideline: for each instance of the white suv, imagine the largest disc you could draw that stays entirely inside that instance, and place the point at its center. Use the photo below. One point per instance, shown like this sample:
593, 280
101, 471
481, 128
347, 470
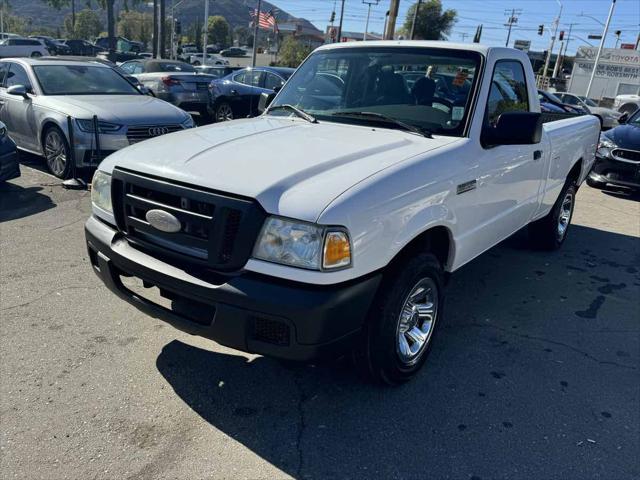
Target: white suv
22, 47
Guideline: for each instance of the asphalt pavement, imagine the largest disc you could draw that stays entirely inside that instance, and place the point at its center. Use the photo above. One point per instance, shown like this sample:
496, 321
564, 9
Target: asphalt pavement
534, 373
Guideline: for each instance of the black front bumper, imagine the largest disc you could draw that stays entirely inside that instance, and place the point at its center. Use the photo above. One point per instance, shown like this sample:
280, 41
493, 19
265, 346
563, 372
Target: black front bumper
249, 312
615, 172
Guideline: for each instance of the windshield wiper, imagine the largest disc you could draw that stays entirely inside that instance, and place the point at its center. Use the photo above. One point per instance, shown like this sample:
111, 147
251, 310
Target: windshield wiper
384, 118
295, 110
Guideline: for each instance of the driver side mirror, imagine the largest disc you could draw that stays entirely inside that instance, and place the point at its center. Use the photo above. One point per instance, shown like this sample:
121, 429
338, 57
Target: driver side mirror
18, 91
624, 118
513, 128
265, 101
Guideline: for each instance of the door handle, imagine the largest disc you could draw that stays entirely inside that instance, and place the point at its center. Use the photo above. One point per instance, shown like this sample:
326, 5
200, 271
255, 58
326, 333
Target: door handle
537, 155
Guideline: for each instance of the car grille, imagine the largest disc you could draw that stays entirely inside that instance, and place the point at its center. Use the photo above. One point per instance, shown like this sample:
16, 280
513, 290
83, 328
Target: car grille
143, 132
626, 155
217, 231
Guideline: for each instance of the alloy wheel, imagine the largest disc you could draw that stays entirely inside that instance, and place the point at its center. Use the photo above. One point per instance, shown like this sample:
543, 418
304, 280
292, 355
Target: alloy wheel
55, 153
224, 113
416, 321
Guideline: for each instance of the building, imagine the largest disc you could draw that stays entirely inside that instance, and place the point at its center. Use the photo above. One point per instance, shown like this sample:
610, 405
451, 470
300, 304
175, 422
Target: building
302, 30
618, 73
332, 31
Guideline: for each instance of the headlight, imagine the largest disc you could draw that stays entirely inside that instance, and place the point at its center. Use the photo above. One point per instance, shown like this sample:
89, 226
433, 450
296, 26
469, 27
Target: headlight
189, 123
101, 191
604, 146
103, 127
304, 245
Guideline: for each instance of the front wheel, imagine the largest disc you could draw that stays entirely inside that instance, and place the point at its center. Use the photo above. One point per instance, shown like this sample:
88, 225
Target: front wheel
57, 152
401, 324
550, 232
223, 112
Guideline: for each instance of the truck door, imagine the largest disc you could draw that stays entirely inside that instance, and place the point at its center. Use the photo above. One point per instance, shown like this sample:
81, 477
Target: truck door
508, 177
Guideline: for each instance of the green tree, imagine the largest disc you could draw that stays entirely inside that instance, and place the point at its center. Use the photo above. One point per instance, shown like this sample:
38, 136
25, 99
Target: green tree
88, 25
432, 23
136, 26
292, 52
219, 31
241, 34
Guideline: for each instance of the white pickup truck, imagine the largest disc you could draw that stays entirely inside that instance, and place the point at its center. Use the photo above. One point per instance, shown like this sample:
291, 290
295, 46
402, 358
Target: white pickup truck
330, 223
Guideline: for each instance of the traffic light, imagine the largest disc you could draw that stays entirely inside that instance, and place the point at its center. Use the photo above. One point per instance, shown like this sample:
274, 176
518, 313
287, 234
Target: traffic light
178, 27
333, 17
561, 36
540, 29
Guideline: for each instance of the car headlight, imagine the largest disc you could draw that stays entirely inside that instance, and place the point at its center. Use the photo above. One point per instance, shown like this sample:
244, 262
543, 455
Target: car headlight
302, 244
101, 191
103, 127
605, 145
189, 123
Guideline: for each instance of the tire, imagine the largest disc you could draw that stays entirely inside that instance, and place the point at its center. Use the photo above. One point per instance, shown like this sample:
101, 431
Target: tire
223, 112
550, 232
36, 55
595, 184
56, 152
386, 352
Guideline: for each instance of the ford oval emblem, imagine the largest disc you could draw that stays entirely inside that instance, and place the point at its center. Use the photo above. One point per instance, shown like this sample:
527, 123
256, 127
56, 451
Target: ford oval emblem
163, 221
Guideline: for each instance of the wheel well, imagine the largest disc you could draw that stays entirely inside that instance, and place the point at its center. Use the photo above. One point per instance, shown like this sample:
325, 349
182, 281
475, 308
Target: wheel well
574, 173
45, 127
436, 240
628, 107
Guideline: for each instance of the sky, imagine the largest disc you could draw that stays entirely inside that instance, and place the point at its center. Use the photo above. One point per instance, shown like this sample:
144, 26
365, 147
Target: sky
491, 13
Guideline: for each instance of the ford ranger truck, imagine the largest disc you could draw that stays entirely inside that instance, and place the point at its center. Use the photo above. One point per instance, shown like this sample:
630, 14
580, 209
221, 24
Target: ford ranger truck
329, 223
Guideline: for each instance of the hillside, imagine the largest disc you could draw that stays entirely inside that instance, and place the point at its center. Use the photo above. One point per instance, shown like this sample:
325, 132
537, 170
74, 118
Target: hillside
190, 11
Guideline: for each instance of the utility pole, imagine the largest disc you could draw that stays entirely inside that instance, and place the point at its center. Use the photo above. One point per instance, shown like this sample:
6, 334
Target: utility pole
604, 36
205, 33
339, 37
161, 29
556, 23
256, 26
391, 24
154, 49
366, 26
464, 36
386, 19
415, 19
513, 18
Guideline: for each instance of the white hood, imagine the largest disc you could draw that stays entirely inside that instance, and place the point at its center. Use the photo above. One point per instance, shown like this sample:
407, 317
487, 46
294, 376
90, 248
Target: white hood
292, 167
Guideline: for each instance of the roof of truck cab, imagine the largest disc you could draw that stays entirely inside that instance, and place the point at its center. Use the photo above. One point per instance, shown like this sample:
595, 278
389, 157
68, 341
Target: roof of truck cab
472, 47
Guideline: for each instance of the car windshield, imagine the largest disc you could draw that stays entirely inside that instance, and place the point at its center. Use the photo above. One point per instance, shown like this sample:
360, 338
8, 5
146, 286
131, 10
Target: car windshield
81, 80
429, 89
589, 102
552, 97
173, 67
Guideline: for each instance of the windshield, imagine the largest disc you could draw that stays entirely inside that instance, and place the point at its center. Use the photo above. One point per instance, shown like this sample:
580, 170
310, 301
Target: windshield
172, 67
550, 96
422, 87
589, 102
81, 80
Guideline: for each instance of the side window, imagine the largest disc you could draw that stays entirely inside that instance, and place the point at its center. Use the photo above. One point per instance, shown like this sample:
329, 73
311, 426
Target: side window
249, 77
4, 68
508, 90
240, 77
138, 68
18, 76
127, 67
272, 81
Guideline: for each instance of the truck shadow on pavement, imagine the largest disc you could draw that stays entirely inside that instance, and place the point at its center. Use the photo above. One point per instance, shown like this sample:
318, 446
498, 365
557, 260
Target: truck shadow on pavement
531, 375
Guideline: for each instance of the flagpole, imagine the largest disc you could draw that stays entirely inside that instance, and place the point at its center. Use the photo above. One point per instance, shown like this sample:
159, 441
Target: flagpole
255, 34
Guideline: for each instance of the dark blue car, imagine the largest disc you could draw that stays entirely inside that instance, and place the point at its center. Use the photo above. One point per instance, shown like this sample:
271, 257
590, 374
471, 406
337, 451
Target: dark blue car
237, 95
9, 166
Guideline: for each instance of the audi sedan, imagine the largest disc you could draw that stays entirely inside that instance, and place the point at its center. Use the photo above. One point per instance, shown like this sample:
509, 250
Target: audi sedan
49, 106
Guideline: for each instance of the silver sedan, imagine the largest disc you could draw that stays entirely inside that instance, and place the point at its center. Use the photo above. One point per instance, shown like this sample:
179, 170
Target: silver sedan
50, 105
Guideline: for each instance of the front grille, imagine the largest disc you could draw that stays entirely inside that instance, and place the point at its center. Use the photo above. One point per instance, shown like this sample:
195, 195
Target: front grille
143, 132
217, 231
626, 155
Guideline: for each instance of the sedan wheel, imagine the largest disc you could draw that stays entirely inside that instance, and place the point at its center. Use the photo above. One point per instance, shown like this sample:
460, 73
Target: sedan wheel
36, 54
224, 112
56, 152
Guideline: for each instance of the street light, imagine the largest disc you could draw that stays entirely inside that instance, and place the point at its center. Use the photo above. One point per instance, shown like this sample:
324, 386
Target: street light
366, 27
553, 39
173, 28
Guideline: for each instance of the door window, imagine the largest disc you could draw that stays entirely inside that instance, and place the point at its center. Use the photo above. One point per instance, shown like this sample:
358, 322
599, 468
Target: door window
18, 76
272, 81
508, 90
249, 77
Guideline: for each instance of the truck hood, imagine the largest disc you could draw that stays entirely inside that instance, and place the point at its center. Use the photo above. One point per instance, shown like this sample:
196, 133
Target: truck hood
123, 109
292, 167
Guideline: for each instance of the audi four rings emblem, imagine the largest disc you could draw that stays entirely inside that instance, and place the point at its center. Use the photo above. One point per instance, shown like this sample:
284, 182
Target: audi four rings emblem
157, 131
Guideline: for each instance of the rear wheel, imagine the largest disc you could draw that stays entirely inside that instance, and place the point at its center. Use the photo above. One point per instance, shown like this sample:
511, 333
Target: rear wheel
401, 324
550, 232
56, 152
223, 112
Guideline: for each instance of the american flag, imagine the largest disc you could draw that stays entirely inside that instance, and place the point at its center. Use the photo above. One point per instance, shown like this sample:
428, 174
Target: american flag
265, 19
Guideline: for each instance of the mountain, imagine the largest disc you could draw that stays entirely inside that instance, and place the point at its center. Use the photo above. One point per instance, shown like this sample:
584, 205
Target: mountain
41, 16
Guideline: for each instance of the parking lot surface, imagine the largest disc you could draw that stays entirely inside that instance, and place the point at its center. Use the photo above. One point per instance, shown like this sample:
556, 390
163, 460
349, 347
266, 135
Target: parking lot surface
534, 374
